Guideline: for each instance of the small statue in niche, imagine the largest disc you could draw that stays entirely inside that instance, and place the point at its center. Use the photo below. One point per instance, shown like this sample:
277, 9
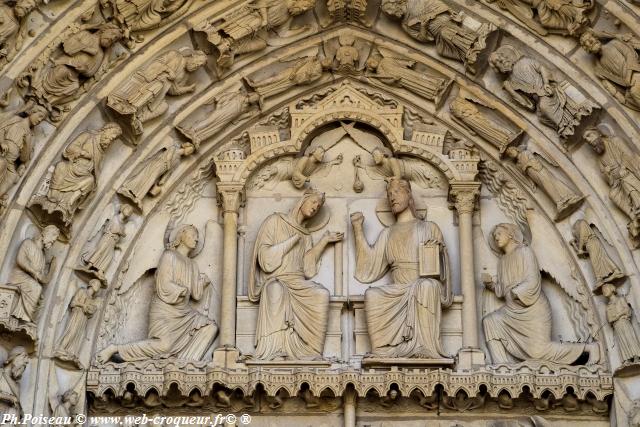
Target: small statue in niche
619, 315
231, 107
293, 311
97, 261
12, 19
617, 64
31, 272
143, 95
149, 176
434, 21
82, 307
531, 85
496, 133
142, 15
558, 17
85, 56
12, 369
176, 328
347, 56
587, 243
403, 318
399, 72
531, 165
246, 29
16, 147
622, 175
303, 71
74, 178
521, 329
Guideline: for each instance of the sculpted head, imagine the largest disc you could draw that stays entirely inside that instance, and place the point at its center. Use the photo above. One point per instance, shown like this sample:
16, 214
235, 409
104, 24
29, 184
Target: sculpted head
507, 235
594, 139
608, 290
37, 115
504, 58
126, 211
109, 133
373, 62
395, 8
312, 201
24, 7
399, 196
187, 235
70, 397
49, 235
94, 286
196, 60
378, 155
109, 34
512, 152
590, 42
298, 7
18, 361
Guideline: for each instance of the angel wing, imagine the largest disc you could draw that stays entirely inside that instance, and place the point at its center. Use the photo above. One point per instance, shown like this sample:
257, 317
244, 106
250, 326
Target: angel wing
509, 197
365, 140
415, 171
269, 176
561, 267
327, 139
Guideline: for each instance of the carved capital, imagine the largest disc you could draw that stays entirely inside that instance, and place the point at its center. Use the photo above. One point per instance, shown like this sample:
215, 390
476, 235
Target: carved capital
231, 196
463, 196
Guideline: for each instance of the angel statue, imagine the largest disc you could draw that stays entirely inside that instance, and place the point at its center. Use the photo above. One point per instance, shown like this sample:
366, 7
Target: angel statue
521, 328
97, 260
434, 21
142, 96
246, 29
299, 170
149, 176
532, 86
403, 317
75, 177
293, 311
622, 174
531, 165
176, 328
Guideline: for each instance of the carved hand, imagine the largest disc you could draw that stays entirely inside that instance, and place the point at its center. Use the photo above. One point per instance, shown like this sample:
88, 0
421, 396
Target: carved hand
332, 237
487, 280
357, 219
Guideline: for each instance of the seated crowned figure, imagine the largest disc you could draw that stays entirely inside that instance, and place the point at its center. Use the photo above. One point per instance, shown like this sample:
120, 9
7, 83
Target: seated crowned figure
176, 328
521, 328
293, 311
403, 317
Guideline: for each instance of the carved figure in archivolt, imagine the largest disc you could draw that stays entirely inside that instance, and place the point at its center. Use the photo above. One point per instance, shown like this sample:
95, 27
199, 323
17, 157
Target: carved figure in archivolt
13, 367
247, 28
550, 16
97, 260
293, 311
74, 178
587, 243
84, 57
619, 316
400, 72
16, 147
532, 86
141, 15
617, 64
31, 272
533, 165
303, 71
176, 328
435, 21
142, 96
622, 175
232, 106
83, 305
496, 133
343, 55
521, 329
12, 23
149, 176
403, 318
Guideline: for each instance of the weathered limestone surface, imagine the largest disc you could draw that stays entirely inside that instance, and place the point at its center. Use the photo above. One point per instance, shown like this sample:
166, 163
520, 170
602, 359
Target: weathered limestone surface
321, 212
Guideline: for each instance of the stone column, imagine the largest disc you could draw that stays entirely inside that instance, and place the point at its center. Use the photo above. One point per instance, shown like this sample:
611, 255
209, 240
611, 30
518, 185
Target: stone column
231, 196
464, 196
349, 397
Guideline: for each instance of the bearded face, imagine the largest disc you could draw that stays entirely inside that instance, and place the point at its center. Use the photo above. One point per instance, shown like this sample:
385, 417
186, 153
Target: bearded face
298, 7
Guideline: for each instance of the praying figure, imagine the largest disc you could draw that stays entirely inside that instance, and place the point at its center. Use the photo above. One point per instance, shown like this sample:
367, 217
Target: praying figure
403, 317
293, 311
521, 328
176, 328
